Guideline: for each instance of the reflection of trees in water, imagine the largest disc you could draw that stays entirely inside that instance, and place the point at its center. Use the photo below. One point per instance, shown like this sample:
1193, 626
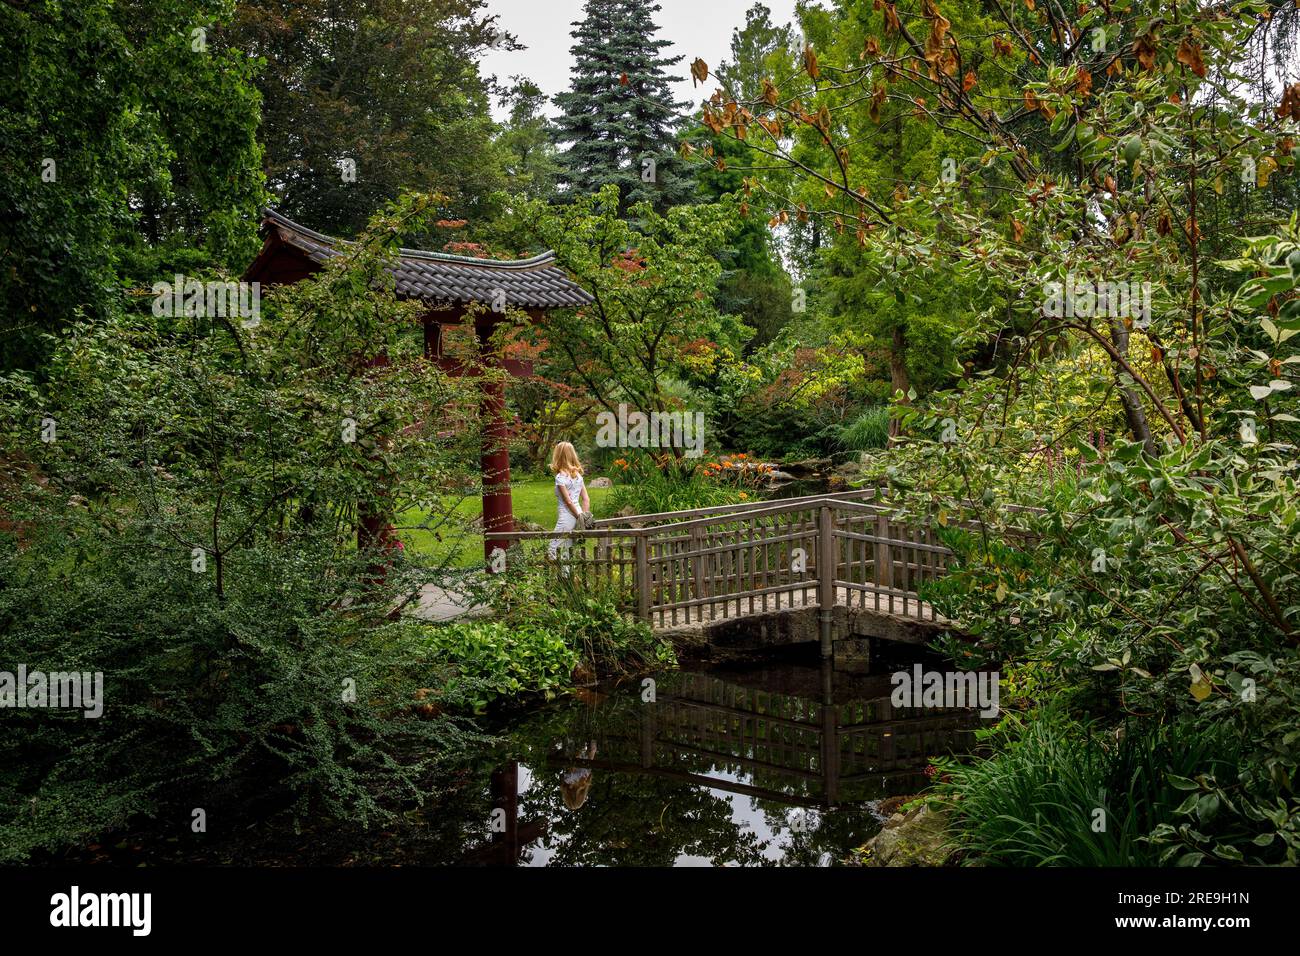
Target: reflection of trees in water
632, 820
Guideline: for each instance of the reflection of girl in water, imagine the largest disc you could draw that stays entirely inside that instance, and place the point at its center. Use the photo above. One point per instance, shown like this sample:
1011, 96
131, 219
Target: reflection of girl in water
575, 782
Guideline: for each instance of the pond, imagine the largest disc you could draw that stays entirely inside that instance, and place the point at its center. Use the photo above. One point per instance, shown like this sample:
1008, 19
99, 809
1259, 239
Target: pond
783, 762
778, 763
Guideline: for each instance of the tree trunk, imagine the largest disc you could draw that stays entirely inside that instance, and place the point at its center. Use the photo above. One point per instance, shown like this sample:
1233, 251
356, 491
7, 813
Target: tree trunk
1134, 414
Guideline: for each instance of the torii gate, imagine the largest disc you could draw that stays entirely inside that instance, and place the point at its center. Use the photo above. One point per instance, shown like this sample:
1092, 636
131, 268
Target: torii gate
447, 285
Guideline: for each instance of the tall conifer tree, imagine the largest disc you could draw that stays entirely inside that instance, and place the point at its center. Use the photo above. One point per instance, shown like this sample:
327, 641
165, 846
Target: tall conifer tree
619, 117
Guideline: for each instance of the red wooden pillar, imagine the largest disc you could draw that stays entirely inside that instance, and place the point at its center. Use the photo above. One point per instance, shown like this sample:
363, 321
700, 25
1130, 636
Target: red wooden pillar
498, 508
374, 525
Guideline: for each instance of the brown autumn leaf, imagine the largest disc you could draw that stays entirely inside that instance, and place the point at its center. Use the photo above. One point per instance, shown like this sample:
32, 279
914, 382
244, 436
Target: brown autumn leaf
770, 94
1017, 229
1110, 184
877, 100
1145, 48
892, 24
623, 79
1290, 105
823, 120
872, 47
699, 71
1189, 55
968, 81
1163, 225
810, 62
1001, 47
1032, 102
1083, 83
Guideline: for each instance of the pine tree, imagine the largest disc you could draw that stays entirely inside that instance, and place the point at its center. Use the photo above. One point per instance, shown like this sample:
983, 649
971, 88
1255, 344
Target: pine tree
619, 116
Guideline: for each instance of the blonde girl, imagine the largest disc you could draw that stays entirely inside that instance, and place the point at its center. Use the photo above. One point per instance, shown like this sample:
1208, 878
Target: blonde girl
571, 501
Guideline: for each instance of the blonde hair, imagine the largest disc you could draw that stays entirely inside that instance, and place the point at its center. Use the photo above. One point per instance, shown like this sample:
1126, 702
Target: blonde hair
565, 458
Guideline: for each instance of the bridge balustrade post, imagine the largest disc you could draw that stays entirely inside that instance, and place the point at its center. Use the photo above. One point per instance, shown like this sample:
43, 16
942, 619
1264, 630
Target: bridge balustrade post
697, 566
826, 568
884, 559
643, 577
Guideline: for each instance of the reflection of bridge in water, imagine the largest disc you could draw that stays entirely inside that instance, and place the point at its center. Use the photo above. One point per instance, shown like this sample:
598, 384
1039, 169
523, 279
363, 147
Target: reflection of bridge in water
809, 738
791, 748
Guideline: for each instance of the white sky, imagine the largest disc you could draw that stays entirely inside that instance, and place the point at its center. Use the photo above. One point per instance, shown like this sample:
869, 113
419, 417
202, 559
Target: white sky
696, 27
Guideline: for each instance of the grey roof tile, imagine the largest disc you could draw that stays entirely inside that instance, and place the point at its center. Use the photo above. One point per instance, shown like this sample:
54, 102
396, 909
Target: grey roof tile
437, 277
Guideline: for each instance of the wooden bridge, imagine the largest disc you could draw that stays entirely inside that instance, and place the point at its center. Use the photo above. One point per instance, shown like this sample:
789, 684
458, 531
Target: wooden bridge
821, 567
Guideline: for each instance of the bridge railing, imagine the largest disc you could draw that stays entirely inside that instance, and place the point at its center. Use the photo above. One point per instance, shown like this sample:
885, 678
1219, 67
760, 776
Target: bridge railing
690, 568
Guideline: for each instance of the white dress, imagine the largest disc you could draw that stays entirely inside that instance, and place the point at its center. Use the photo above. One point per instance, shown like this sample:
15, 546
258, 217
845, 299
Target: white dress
565, 521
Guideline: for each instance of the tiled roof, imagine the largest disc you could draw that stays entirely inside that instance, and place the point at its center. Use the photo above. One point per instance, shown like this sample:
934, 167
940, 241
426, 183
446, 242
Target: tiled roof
436, 277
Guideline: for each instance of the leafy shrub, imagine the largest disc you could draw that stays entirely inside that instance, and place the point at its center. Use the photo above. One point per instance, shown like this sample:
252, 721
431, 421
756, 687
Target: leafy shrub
1064, 793
207, 696
550, 631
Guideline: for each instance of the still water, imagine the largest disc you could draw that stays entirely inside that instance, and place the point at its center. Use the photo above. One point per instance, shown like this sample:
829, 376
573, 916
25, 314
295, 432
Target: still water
773, 764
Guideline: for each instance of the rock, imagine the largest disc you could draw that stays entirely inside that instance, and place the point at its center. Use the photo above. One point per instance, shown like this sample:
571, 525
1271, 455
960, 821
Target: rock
600, 483
808, 467
776, 475
523, 524
919, 838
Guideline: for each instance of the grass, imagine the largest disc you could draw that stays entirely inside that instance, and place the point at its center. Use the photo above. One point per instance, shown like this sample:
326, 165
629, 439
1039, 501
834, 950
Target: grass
534, 500
868, 431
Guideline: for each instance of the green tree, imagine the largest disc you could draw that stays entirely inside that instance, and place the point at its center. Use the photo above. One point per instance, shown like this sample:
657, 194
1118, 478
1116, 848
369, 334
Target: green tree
653, 318
363, 99
125, 132
618, 116
527, 137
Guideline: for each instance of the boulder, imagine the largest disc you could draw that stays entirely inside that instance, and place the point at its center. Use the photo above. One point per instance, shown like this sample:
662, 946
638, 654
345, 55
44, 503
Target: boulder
600, 483
808, 467
919, 838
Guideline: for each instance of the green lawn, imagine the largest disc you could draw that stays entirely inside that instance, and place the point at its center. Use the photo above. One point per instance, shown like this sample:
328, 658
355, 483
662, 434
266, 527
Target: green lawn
534, 500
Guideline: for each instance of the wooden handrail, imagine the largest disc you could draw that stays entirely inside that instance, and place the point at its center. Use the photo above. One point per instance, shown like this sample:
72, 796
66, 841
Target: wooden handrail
738, 506
850, 547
